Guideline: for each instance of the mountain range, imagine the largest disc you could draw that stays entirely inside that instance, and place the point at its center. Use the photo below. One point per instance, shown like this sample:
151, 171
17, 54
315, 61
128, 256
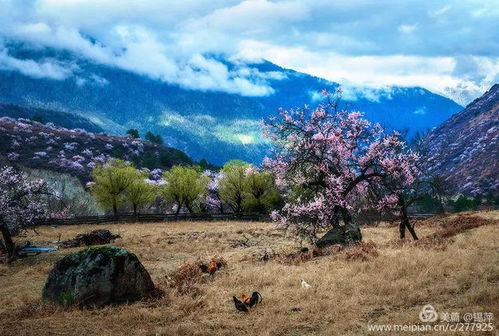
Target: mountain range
464, 150
217, 126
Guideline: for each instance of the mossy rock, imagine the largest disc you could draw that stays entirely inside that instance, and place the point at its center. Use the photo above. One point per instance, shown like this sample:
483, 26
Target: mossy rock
98, 276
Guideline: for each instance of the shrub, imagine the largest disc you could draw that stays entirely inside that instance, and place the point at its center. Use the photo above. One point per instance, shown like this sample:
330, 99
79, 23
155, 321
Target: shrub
186, 278
362, 251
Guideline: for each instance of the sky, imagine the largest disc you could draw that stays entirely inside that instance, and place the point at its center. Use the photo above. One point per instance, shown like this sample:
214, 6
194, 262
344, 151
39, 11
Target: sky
448, 47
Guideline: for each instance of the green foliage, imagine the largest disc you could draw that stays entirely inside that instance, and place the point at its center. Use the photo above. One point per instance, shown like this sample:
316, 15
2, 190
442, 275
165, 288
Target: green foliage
157, 139
243, 187
205, 165
111, 182
38, 118
134, 133
429, 203
491, 199
139, 193
261, 194
184, 186
232, 184
464, 203
166, 158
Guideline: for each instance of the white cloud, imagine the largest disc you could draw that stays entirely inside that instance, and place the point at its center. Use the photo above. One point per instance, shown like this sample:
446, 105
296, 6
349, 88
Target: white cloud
439, 11
462, 78
407, 29
420, 111
367, 43
355, 92
45, 69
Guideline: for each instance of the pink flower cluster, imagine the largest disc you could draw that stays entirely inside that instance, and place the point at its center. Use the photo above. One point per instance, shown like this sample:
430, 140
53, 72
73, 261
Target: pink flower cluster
21, 199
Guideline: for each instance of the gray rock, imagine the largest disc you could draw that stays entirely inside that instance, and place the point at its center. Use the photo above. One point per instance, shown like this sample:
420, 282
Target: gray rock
98, 276
342, 235
96, 237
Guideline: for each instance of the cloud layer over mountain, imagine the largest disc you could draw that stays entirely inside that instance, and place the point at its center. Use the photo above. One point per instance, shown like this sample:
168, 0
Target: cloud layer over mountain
450, 47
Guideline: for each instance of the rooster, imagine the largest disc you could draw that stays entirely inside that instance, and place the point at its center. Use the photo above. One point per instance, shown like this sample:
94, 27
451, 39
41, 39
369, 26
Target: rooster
241, 306
255, 299
211, 268
247, 302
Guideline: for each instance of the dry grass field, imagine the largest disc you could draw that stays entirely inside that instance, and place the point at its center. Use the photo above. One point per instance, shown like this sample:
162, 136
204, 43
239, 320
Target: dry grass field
455, 267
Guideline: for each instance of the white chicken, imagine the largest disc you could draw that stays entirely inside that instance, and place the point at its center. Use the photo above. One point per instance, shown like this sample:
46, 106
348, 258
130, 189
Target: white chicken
304, 284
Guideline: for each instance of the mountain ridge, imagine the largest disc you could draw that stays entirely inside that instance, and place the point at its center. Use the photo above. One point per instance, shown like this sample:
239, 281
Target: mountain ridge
465, 148
58, 118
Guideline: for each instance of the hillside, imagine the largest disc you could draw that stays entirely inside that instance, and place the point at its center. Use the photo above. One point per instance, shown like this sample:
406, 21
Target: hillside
58, 118
76, 151
465, 149
214, 125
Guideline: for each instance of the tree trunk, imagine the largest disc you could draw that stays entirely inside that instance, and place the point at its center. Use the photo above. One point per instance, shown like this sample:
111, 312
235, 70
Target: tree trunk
178, 209
402, 229
347, 218
135, 209
404, 221
7, 238
188, 207
410, 228
239, 207
115, 208
336, 217
441, 205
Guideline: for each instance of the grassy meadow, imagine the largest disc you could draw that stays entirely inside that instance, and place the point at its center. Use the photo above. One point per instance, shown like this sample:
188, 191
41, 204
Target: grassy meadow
454, 267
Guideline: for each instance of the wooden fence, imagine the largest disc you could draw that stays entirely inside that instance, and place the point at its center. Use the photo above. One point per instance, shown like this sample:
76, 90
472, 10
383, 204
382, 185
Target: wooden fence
151, 218
148, 218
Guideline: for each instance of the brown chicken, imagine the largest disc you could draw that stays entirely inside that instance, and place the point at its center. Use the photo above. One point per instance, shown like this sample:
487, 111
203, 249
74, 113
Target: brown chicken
212, 267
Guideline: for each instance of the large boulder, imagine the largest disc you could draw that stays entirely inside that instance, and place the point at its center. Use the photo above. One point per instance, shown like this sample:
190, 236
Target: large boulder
98, 276
340, 235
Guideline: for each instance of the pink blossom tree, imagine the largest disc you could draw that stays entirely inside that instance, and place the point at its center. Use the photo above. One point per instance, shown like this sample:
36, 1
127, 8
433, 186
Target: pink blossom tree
213, 200
326, 158
21, 201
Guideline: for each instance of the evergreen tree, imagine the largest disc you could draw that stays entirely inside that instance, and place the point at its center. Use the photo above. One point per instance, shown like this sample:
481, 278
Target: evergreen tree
134, 133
